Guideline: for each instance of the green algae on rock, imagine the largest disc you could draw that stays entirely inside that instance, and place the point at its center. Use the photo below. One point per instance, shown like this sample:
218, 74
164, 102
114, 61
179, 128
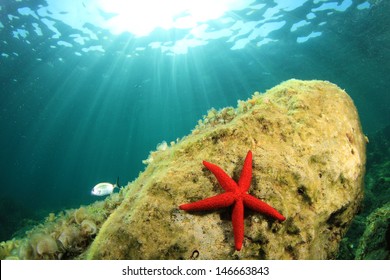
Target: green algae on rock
309, 159
66, 235
375, 242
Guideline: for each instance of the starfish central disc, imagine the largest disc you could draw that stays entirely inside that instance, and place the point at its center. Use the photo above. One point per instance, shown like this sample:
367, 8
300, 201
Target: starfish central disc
235, 194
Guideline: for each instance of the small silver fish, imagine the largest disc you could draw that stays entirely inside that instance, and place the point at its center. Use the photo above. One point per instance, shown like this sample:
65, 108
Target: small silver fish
102, 189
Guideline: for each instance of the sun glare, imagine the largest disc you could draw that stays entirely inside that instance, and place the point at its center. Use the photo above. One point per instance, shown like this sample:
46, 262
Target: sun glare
143, 16
195, 23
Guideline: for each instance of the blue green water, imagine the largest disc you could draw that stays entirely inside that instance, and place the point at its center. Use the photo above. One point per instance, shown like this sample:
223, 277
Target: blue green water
89, 87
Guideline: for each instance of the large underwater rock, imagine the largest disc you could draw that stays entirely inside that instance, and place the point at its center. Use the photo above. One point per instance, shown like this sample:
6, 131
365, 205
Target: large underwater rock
308, 163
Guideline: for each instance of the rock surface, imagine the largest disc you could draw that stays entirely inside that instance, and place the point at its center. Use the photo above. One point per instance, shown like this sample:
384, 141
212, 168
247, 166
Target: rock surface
308, 163
369, 234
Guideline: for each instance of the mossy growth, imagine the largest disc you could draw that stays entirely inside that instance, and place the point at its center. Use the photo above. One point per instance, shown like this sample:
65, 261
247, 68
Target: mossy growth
66, 235
216, 117
375, 242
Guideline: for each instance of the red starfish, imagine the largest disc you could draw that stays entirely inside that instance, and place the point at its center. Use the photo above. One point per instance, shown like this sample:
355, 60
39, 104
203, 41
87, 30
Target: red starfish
234, 194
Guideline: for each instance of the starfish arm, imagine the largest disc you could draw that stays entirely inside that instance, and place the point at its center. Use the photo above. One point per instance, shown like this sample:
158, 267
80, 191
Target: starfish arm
227, 183
210, 203
238, 224
262, 207
246, 174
